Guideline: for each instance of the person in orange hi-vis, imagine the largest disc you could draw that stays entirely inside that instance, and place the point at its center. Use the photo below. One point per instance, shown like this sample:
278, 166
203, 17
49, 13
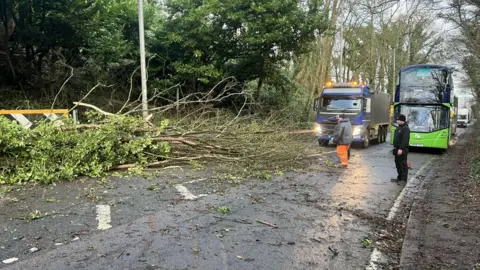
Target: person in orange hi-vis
343, 137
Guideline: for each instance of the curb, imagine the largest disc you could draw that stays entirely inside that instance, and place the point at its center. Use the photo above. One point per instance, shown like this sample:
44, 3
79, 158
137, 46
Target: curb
414, 230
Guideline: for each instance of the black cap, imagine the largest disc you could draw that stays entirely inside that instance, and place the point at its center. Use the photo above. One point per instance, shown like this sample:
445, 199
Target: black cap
342, 116
402, 118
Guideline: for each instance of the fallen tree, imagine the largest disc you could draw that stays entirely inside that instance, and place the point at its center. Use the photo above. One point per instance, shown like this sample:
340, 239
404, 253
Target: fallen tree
125, 142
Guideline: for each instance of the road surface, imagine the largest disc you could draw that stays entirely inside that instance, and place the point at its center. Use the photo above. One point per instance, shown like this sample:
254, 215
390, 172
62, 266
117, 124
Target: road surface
321, 218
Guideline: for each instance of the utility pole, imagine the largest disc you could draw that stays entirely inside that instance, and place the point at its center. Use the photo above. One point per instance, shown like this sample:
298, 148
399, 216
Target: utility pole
393, 73
143, 68
341, 50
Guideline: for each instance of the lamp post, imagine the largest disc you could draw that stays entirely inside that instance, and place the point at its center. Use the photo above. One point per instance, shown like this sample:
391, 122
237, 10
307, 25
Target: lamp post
143, 69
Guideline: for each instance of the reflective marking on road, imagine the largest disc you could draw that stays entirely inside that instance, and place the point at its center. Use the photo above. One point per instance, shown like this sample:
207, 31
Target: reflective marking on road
103, 217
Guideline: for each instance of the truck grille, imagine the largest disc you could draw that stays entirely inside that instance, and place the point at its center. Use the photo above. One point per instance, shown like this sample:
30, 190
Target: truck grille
327, 127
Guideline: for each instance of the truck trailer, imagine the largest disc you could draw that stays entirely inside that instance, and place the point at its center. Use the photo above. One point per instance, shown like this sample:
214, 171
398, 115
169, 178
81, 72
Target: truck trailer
368, 111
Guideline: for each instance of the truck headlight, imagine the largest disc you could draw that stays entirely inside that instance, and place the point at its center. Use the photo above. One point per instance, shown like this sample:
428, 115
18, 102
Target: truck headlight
357, 130
317, 129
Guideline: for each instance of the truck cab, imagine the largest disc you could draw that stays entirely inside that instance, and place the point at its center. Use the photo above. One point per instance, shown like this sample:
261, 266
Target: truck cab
368, 112
463, 117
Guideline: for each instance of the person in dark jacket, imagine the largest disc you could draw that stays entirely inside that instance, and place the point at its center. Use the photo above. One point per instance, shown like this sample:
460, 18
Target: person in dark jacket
343, 137
401, 142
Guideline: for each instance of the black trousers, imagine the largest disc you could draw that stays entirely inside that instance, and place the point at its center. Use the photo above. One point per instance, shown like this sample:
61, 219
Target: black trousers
402, 166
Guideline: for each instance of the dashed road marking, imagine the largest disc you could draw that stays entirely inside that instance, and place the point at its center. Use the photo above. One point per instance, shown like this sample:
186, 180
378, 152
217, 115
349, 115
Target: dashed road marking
103, 217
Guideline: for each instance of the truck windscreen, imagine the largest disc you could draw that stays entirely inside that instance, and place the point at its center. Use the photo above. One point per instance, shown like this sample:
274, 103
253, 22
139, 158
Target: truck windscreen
423, 85
341, 104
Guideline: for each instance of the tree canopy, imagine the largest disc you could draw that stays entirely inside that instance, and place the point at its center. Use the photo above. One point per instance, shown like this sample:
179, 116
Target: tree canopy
190, 43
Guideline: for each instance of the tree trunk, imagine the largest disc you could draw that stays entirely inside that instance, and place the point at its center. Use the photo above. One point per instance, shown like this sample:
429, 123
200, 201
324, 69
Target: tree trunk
259, 89
8, 26
322, 56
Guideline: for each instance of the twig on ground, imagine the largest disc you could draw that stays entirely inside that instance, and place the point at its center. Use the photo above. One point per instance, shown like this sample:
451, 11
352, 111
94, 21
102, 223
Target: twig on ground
268, 224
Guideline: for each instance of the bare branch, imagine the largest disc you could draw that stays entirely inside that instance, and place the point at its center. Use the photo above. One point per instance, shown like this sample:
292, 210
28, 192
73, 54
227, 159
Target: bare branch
93, 107
63, 85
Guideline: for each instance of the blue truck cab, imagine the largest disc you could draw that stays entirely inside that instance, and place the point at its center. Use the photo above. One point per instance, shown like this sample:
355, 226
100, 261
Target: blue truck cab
368, 112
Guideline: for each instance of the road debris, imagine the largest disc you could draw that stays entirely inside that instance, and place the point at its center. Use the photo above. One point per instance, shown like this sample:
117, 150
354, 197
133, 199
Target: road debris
366, 243
242, 221
268, 224
334, 251
186, 194
317, 240
34, 249
119, 255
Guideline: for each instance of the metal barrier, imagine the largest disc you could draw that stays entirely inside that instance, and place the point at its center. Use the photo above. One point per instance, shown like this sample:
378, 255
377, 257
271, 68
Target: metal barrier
28, 118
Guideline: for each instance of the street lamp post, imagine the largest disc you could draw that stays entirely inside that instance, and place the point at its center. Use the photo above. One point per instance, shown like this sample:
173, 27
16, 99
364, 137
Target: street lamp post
143, 69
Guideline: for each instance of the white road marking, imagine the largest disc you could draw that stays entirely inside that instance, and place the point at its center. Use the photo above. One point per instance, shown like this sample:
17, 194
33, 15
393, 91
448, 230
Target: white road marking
11, 260
103, 217
186, 194
377, 257
413, 182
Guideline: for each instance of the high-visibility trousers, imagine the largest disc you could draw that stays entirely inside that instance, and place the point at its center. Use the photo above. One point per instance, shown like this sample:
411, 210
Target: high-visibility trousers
342, 152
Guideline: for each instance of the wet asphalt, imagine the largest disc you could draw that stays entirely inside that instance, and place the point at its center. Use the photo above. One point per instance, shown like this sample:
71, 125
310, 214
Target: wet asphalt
310, 219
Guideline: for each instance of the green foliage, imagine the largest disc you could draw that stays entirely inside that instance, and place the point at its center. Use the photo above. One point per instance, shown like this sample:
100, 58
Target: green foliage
35, 215
4, 191
196, 165
475, 168
266, 176
154, 188
47, 153
242, 38
223, 209
191, 43
366, 243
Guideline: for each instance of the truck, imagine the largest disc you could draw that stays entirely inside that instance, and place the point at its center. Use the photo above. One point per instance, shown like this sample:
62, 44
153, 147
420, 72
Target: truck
368, 111
464, 117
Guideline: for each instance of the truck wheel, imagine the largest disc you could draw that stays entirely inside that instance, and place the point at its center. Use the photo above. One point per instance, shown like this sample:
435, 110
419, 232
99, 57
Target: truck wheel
366, 142
383, 135
380, 136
